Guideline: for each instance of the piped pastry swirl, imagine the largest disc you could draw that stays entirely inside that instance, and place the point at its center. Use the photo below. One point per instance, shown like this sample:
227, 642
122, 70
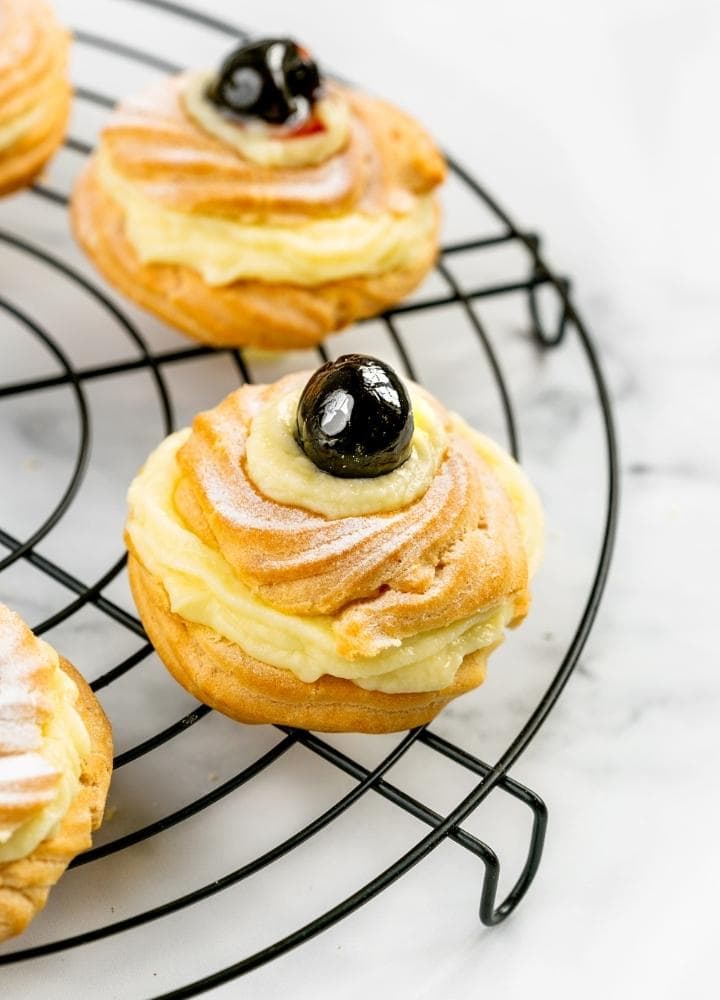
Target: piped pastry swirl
34, 89
392, 602
241, 231
55, 763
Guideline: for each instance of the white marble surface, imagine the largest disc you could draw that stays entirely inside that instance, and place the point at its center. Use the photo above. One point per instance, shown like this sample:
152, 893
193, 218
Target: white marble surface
595, 126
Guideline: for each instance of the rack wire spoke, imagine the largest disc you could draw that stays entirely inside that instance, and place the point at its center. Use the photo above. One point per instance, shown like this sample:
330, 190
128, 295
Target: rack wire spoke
86, 594
191, 808
122, 668
164, 736
367, 779
81, 459
492, 358
106, 371
13, 240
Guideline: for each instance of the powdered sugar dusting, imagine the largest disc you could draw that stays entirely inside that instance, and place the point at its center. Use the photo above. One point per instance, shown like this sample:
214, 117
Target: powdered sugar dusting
153, 141
28, 35
380, 576
27, 665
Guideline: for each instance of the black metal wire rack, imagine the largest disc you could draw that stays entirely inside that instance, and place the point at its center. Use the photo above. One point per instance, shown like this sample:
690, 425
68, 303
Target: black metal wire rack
366, 780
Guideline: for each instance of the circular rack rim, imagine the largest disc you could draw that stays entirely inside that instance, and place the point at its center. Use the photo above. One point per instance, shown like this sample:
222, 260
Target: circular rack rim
491, 776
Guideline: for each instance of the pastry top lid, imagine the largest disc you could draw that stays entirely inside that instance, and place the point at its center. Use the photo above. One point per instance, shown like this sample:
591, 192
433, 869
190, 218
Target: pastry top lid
457, 549
28, 782
386, 164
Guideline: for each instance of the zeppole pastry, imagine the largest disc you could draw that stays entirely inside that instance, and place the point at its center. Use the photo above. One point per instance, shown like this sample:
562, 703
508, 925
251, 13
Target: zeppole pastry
260, 205
55, 764
335, 551
34, 90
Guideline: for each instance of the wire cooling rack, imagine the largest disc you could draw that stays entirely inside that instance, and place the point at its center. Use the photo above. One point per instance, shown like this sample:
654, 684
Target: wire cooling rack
151, 354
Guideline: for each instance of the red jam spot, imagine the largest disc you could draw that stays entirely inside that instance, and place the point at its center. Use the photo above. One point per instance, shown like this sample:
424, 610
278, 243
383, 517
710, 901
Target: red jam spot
310, 127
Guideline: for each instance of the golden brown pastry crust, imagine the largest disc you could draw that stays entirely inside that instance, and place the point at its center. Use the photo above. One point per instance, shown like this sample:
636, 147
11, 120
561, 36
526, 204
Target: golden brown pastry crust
457, 551
389, 161
253, 313
220, 674
25, 883
383, 577
33, 74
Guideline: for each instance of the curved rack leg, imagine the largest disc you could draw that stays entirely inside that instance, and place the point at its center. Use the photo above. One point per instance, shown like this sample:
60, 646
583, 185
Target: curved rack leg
489, 913
540, 278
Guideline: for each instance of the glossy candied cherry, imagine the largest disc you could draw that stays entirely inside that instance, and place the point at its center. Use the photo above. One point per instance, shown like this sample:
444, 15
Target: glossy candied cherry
275, 79
354, 418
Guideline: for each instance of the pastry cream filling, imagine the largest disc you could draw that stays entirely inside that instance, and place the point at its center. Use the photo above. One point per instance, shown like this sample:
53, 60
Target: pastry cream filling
282, 471
65, 745
15, 128
306, 253
203, 589
269, 145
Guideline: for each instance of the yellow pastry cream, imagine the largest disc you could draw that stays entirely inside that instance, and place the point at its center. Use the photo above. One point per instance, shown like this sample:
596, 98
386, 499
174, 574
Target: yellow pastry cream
280, 469
202, 588
270, 145
65, 744
303, 253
